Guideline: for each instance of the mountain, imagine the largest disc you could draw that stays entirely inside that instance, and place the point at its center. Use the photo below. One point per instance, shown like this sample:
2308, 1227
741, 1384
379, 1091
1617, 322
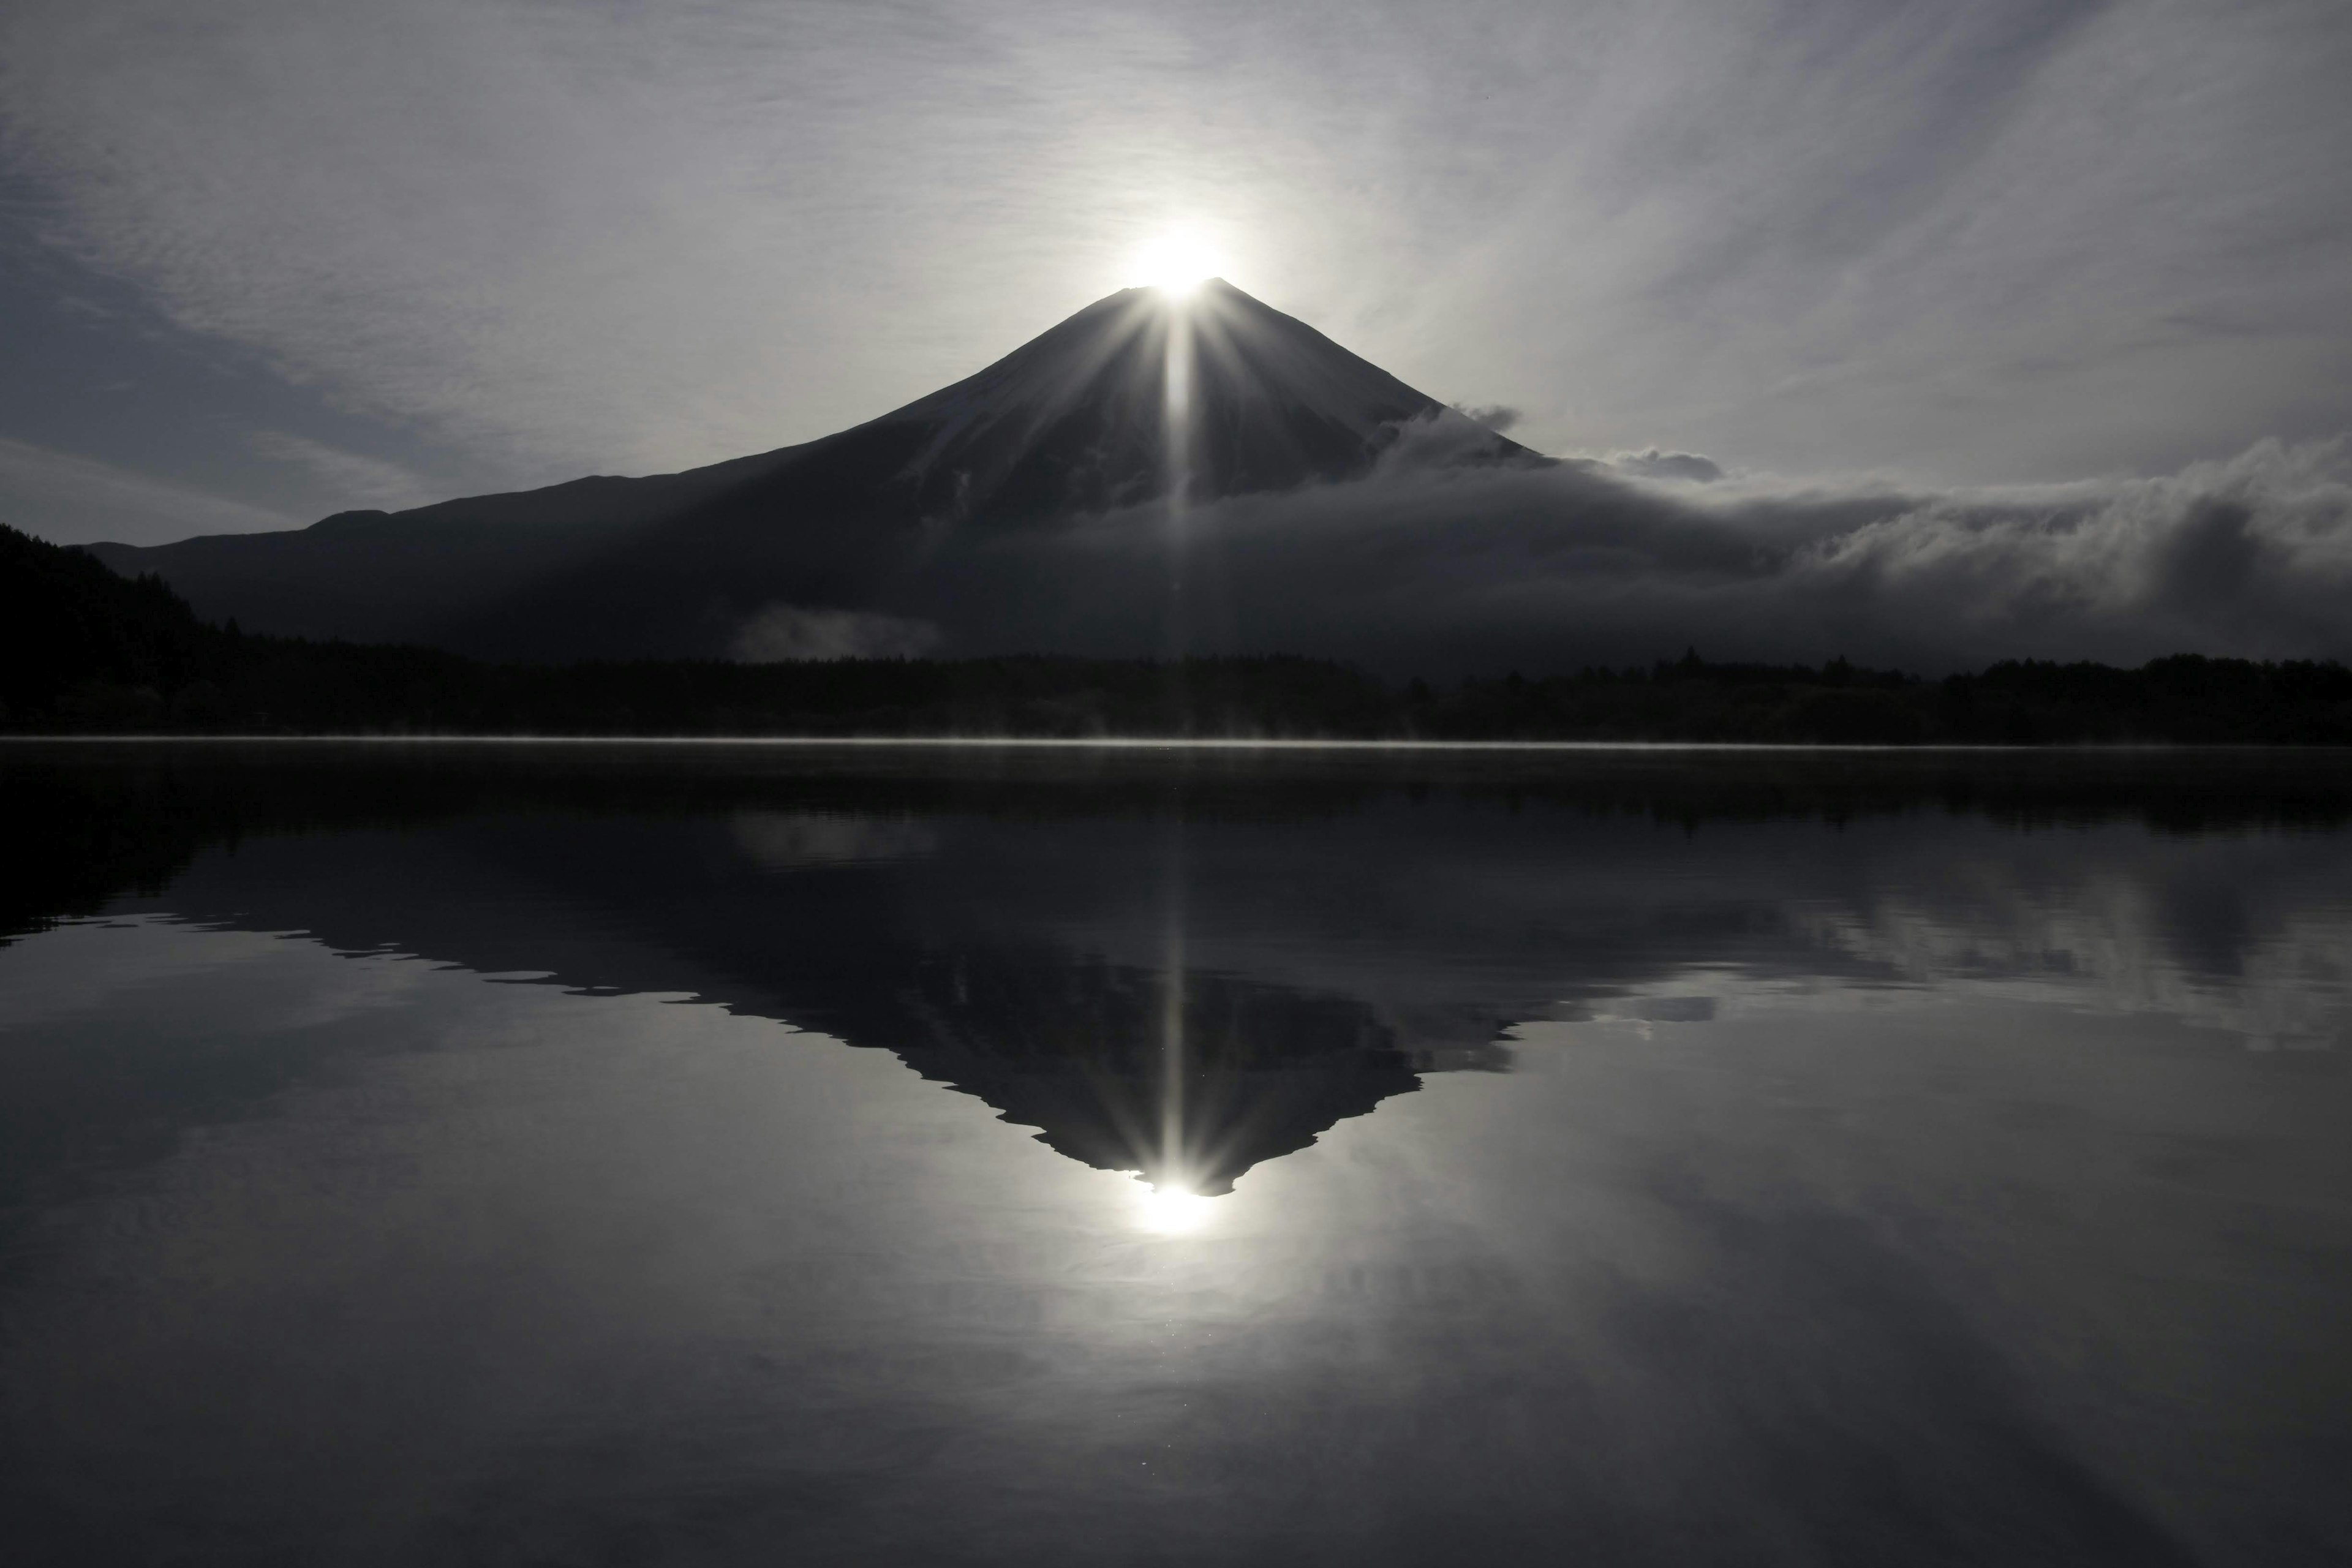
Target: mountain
806, 550
925, 912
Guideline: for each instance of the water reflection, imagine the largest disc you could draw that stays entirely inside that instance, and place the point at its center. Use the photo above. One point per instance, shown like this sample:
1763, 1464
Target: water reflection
1170, 1209
573, 1158
1183, 974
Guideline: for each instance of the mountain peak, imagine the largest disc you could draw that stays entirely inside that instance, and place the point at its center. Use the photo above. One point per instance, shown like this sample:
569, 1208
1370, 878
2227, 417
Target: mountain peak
1107, 407
1144, 395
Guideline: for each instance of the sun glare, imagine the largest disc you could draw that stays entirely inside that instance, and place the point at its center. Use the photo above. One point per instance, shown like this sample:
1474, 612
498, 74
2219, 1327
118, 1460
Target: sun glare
1172, 1211
1176, 262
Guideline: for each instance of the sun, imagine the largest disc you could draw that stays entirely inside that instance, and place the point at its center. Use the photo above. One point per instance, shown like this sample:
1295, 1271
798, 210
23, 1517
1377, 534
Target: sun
1176, 262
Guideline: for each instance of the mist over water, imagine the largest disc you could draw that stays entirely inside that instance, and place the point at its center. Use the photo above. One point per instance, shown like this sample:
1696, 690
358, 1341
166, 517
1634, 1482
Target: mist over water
726, 1156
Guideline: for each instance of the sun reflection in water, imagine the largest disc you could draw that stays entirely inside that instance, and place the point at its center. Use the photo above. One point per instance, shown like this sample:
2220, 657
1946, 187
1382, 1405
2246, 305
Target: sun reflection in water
1172, 1210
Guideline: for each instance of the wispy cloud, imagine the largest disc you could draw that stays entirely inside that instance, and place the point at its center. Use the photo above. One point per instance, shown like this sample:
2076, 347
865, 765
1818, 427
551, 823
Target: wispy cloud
2006, 239
76, 500
361, 480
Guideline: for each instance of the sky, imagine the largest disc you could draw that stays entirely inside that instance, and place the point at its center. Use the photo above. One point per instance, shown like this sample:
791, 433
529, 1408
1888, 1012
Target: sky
262, 260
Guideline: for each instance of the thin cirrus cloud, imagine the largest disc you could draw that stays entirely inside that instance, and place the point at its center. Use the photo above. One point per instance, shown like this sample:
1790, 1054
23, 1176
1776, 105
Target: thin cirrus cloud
72, 500
372, 482
2013, 240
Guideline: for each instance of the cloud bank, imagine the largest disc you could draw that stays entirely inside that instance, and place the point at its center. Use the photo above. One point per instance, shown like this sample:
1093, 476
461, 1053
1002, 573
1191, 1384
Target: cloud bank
1420, 570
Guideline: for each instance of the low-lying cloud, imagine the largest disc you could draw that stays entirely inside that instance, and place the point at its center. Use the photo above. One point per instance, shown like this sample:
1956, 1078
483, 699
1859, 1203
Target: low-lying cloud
1481, 569
1499, 417
782, 634
1656, 464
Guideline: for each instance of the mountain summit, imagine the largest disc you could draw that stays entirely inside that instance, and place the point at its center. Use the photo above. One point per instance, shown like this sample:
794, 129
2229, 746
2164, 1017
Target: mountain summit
1109, 407
1138, 400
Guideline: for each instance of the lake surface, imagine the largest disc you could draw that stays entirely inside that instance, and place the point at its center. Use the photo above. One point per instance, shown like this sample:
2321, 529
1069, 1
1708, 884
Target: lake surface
416, 1154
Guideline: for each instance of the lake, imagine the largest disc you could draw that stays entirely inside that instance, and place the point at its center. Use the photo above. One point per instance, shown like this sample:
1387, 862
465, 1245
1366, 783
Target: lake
546, 1154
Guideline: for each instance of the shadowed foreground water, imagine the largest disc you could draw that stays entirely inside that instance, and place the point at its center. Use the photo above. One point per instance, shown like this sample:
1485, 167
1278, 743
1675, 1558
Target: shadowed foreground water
457, 1155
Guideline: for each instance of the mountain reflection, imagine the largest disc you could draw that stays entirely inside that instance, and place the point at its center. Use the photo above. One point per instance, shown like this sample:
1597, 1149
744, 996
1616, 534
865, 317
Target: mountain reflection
1188, 1079
1183, 968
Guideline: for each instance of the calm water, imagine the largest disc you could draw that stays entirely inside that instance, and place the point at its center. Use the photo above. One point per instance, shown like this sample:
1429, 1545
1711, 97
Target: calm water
587, 1156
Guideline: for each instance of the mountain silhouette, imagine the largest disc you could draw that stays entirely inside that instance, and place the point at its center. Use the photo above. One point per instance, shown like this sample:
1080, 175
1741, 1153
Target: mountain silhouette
943, 929
1139, 398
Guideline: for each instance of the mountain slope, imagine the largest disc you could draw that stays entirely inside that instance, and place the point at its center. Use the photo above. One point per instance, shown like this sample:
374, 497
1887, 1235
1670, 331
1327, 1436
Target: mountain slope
408, 576
1134, 397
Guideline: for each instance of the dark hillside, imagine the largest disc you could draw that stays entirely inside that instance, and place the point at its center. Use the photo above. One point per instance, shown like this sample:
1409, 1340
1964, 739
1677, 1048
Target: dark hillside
68, 622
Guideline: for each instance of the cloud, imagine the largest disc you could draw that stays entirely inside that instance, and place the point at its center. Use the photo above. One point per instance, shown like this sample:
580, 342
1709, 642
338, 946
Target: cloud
69, 499
1438, 571
1821, 234
1656, 464
360, 480
1497, 416
782, 634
